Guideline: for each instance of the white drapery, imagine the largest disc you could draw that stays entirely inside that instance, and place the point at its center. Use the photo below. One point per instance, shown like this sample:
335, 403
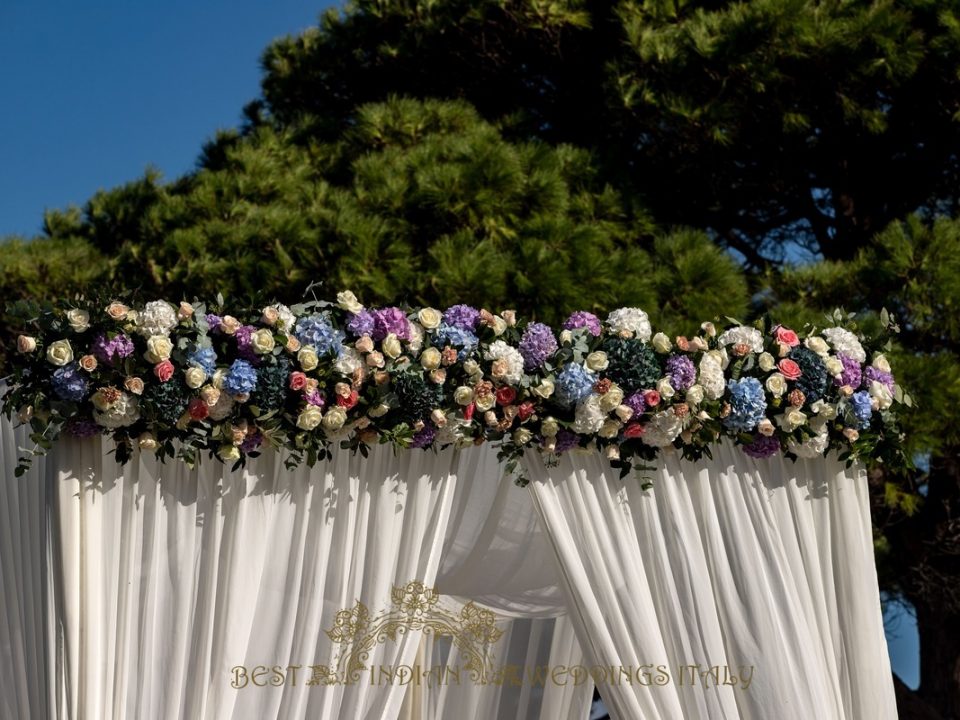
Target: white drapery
726, 563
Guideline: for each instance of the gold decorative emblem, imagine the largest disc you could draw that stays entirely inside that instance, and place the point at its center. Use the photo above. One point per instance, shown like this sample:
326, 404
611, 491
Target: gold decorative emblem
413, 607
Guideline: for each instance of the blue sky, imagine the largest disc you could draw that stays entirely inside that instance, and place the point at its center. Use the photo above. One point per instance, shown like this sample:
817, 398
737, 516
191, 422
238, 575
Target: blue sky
94, 92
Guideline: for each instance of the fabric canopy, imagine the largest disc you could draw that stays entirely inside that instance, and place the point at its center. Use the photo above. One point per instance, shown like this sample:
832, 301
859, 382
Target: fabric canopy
136, 591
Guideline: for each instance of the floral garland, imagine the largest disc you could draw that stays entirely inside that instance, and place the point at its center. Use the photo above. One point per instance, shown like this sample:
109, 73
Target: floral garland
183, 380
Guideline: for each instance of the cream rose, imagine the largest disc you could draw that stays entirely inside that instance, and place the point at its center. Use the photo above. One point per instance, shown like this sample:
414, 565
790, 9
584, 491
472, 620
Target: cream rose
159, 348
694, 395
228, 452
348, 301
269, 315
544, 389
661, 343
881, 363
60, 353
767, 362
486, 402
334, 419
262, 341
26, 344
148, 442
817, 344
134, 385
194, 377
79, 320
522, 436
117, 311
430, 318
597, 361
791, 419
309, 418
307, 357
499, 325
391, 346
624, 412
463, 395
834, 366
665, 388
549, 427
378, 410
430, 359
229, 325
776, 384
611, 399
609, 429
881, 395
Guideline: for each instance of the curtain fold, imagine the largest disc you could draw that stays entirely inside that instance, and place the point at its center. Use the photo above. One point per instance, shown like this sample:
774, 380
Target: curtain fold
758, 569
172, 577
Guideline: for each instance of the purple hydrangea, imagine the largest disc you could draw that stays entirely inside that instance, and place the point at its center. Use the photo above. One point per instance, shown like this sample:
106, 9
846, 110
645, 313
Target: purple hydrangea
315, 398
241, 379
583, 319
462, 316
244, 337
536, 345
81, 427
106, 350
862, 408
566, 440
390, 320
681, 371
636, 403
851, 374
424, 438
69, 384
873, 375
213, 321
762, 447
360, 323
251, 442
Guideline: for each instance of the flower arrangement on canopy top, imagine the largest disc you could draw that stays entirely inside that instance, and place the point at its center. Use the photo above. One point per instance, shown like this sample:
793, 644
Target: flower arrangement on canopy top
183, 380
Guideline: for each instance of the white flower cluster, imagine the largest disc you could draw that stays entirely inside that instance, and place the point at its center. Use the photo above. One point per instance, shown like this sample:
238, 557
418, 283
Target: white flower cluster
846, 342
745, 335
630, 321
158, 318
663, 429
512, 360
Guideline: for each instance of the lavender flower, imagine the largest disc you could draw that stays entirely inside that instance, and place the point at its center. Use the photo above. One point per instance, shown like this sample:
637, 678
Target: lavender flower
583, 319
390, 320
213, 321
636, 403
106, 350
873, 375
244, 337
762, 447
681, 371
81, 427
462, 316
361, 323
251, 442
425, 437
315, 398
851, 374
566, 440
536, 345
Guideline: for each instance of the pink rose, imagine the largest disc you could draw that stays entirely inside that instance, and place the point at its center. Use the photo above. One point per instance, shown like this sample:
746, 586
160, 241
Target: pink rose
633, 430
651, 398
789, 369
786, 336
298, 380
163, 370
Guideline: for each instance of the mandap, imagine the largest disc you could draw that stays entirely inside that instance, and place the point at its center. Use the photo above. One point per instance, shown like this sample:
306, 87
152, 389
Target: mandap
335, 511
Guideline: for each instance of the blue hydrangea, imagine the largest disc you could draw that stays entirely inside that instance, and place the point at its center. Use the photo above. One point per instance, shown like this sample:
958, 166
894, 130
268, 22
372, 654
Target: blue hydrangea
205, 359
317, 331
241, 379
574, 383
69, 384
462, 339
862, 408
748, 405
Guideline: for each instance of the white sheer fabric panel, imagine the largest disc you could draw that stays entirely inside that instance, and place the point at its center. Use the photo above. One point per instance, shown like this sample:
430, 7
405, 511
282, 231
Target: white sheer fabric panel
495, 552
534, 647
25, 636
169, 581
733, 561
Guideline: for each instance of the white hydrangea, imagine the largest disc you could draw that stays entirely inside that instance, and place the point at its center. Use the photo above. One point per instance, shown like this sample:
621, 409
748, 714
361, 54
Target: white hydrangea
123, 412
285, 317
223, 407
663, 429
811, 447
499, 350
350, 361
749, 336
711, 377
452, 432
589, 416
844, 341
415, 344
158, 318
630, 320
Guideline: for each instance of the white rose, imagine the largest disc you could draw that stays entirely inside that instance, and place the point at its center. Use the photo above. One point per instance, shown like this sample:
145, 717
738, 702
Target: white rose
430, 359
499, 325
159, 348
391, 346
824, 409
767, 362
309, 418
791, 419
609, 429
522, 436
817, 344
544, 389
26, 344
661, 343
471, 367
881, 363
549, 427
811, 447
665, 388
148, 442
430, 318
79, 320
589, 416
307, 357
60, 353
123, 412
834, 366
195, 377
262, 341
694, 395
334, 419
566, 337
348, 301
765, 427
611, 399
776, 384
486, 402
463, 395
624, 412
597, 361
881, 394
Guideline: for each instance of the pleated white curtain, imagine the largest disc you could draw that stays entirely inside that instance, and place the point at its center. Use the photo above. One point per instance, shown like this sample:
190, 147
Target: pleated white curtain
171, 577
729, 563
